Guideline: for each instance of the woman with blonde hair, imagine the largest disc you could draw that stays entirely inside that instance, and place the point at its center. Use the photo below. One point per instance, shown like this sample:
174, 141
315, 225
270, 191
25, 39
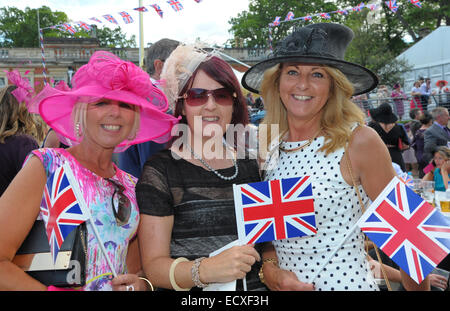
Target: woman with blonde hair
111, 106
17, 128
441, 174
307, 86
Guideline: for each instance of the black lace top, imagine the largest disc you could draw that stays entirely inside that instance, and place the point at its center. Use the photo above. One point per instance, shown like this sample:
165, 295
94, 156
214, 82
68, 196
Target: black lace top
201, 203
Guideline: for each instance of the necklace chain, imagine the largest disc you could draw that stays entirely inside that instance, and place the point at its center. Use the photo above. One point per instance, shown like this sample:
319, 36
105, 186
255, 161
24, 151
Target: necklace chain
212, 169
301, 146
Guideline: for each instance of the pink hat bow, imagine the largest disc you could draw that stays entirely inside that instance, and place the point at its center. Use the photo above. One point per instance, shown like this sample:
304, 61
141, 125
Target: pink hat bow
24, 91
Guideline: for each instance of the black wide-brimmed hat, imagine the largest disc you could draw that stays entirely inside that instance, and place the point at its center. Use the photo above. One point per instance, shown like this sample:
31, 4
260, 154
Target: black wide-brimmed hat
322, 43
383, 114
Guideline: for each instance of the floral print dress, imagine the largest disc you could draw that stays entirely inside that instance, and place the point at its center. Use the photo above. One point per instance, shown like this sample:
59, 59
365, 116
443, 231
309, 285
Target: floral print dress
98, 192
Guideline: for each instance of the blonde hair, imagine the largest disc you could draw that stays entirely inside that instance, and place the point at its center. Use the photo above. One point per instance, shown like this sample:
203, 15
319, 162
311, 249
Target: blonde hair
443, 151
14, 117
339, 113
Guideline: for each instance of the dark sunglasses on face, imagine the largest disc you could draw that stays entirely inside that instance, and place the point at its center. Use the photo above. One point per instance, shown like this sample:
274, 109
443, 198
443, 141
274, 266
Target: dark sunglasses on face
198, 97
121, 205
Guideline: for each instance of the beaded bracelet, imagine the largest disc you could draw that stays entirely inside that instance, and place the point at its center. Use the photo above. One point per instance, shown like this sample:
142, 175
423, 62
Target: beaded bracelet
196, 274
172, 274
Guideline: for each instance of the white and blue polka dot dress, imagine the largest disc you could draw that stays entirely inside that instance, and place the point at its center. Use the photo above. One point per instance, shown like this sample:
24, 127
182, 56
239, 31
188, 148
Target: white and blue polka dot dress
336, 209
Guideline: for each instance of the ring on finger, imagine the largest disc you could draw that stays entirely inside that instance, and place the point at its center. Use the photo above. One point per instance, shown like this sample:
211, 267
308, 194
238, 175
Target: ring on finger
130, 288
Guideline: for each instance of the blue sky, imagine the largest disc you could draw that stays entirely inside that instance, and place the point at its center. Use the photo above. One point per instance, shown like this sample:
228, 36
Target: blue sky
207, 20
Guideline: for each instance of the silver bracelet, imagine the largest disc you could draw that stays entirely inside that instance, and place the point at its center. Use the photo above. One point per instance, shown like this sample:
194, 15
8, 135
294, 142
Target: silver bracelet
196, 274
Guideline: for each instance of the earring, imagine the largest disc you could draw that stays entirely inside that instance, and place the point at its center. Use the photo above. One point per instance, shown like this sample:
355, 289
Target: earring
78, 131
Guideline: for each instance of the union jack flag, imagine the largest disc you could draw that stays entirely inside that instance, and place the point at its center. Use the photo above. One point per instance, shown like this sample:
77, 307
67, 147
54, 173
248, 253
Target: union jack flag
95, 19
110, 18
274, 210
176, 5
407, 229
325, 15
392, 5
416, 3
60, 210
84, 25
342, 12
141, 9
289, 16
276, 21
126, 17
307, 17
359, 7
69, 28
157, 9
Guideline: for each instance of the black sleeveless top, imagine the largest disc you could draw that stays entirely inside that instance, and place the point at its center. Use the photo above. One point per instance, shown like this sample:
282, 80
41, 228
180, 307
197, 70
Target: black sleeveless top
201, 203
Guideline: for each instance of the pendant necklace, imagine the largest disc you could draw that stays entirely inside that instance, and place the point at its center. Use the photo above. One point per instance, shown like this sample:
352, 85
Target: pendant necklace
301, 146
212, 169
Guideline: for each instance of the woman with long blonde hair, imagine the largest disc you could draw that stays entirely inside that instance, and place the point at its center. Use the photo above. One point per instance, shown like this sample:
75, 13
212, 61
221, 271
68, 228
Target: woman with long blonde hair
306, 86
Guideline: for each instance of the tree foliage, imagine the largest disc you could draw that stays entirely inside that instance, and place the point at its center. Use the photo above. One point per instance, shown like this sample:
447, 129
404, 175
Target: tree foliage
250, 28
380, 36
20, 29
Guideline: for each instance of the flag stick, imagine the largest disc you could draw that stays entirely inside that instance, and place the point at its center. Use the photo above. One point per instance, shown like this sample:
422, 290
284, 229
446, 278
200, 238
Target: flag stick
86, 211
335, 251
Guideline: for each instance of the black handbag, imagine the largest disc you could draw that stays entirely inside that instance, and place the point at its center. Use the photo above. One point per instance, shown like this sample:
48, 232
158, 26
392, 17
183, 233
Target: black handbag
34, 257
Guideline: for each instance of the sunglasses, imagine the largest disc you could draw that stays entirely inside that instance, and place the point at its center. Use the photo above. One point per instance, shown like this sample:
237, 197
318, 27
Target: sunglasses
198, 97
121, 205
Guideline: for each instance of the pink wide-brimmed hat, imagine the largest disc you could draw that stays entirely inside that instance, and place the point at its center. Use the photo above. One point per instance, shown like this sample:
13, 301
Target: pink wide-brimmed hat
106, 76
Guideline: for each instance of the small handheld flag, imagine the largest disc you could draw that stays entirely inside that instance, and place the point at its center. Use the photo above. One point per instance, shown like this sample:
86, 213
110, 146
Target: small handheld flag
274, 210
61, 210
407, 229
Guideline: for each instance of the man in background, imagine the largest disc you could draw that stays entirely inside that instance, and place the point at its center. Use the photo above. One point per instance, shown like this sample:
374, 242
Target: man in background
132, 160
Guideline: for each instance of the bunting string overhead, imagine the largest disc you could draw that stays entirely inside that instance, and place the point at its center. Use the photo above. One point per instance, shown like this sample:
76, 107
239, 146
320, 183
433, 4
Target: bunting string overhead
77, 26
391, 4
126, 17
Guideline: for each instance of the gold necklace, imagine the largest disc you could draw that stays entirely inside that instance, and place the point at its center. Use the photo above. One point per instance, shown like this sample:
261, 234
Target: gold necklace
299, 147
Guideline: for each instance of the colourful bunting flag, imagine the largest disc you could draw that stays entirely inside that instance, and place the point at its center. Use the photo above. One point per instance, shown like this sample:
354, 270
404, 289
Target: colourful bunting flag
307, 17
416, 3
325, 15
126, 17
289, 16
110, 18
359, 7
276, 22
392, 5
343, 12
69, 28
157, 9
176, 5
95, 19
198, 1
83, 25
141, 9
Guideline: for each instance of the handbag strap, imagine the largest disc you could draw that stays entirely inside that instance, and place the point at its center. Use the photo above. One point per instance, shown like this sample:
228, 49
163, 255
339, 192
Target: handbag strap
349, 167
